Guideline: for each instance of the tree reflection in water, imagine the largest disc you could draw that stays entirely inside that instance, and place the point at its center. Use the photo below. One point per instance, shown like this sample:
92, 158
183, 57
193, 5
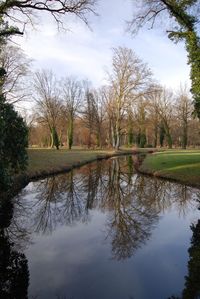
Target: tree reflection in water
192, 280
132, 202
14, 273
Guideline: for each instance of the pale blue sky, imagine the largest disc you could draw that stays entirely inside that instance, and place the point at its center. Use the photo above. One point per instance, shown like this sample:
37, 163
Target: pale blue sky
84, 53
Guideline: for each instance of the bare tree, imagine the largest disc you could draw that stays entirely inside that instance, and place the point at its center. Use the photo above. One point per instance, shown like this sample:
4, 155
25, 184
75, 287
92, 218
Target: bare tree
184, 111
99, 115
141, 119
17, 67
108, 101
153, 100
129, 79
88, 112
72, 95
163, 104
47, 98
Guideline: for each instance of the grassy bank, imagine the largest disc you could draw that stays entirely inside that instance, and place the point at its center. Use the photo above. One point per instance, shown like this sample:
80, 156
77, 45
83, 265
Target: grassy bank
179, 165
50, 161
44, 162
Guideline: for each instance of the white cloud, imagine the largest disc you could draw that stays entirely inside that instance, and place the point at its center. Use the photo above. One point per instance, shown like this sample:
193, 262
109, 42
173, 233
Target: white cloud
86, 53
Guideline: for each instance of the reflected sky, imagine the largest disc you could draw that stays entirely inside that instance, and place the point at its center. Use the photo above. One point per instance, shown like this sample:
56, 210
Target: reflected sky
104, 231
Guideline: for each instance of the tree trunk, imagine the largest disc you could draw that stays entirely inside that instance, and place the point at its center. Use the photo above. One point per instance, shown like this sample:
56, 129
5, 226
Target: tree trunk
114, 139
169, 138
51, 138
70, 133
55, 138
117, 140
185, 136
98, 137
168, 135
130, 136
155, 136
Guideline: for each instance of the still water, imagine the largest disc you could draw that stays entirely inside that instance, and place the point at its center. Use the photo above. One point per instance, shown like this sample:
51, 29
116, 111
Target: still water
101, 232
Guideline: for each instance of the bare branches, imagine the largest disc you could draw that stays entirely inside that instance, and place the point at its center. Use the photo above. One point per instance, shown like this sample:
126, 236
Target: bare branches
72, 95
146, 13
130, 77
47, 97
17, 69
183, 14
18, 9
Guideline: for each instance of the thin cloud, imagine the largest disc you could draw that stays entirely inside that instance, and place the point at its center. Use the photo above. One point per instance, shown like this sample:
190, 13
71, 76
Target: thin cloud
86, 53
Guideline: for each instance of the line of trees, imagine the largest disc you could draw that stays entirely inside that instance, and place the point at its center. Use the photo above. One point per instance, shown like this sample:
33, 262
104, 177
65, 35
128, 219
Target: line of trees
132, 109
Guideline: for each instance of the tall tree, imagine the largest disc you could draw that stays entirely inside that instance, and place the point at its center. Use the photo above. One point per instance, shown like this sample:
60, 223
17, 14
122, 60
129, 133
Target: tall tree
153, 112
166, 114
184, 110
89, 112
47, 98
129, 79
99, 115
72, 94
161, 105
141, 115
185, 22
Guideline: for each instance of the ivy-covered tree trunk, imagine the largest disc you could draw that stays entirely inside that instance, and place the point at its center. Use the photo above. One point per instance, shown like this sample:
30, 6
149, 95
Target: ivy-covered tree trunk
98, 138
130, 137
182, 12
184, 140
70, 133
143, 140
162, 135
192, 42
155, 136
193, 48
168, 137
138, 138
55, 138
130, 129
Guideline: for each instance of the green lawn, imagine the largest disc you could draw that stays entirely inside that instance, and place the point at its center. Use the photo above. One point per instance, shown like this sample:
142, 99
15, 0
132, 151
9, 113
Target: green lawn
181, 165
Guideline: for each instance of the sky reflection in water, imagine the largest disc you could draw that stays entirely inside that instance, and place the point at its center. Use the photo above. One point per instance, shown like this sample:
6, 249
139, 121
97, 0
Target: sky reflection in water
101, 232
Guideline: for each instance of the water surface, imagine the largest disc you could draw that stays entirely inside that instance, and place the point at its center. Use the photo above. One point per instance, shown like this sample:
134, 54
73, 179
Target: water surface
101, 232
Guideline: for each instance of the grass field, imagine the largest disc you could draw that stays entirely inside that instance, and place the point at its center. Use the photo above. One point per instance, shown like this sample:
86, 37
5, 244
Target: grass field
180, 165
49, 161
43, 161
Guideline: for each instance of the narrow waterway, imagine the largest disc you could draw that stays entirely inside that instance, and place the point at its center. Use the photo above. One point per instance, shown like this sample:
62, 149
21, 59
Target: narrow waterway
101, 232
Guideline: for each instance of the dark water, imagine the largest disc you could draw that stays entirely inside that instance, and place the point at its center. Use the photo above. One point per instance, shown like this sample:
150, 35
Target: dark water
101, 232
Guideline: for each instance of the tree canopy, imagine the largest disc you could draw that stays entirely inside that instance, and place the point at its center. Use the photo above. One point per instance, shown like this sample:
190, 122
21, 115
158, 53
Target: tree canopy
183, 15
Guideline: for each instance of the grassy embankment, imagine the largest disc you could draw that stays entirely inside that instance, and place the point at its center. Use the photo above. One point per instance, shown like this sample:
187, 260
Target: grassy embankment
43, 162
179, 165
